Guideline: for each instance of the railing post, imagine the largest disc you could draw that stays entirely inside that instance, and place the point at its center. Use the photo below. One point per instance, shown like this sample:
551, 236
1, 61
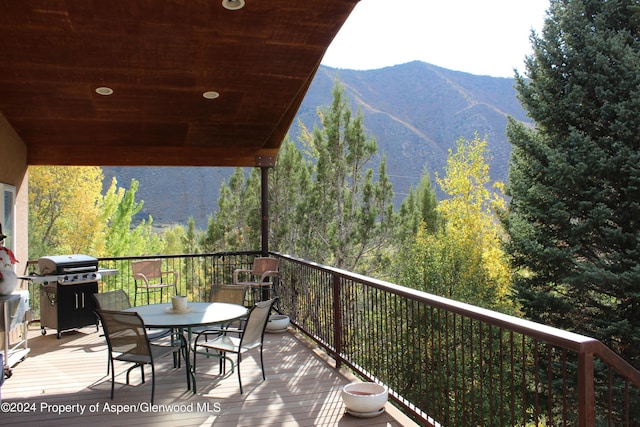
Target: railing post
586, 395
264, 206
337, 319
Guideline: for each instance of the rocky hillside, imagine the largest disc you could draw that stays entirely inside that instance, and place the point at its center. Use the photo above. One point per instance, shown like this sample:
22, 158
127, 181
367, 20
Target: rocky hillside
416, 112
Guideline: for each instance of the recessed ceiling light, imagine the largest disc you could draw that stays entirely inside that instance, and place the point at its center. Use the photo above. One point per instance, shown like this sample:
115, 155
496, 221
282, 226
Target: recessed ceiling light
210, 94
233, 4
103, 90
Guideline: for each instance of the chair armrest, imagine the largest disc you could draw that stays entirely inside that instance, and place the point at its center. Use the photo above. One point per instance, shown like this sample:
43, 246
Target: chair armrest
237, 272
217, 332
175, 276
140, 276
206, 333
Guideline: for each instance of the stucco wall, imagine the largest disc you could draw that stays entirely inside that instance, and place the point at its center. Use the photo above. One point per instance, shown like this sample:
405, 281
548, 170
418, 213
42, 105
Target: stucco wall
13, 171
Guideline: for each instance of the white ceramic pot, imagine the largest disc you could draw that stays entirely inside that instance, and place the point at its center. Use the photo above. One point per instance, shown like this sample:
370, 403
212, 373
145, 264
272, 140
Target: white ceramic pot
365, 398
179, 303
277, 322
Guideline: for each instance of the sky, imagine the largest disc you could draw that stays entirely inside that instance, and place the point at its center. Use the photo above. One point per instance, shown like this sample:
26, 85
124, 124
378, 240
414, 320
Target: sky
483, 37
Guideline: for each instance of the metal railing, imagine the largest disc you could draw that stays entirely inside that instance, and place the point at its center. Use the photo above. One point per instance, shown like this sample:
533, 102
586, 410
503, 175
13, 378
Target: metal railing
453, 364
445, 363
196, 274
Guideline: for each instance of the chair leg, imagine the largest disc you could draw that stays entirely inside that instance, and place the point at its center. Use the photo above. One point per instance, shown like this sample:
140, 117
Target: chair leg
238, 368
113, 377
262, 365
134, 367
153, 381
195, 353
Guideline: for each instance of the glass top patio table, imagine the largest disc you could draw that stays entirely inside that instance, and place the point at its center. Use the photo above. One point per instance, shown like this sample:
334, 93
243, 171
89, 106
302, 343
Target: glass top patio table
197, 314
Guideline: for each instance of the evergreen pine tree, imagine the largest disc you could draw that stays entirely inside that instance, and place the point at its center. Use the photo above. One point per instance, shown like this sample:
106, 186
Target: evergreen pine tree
236, 225
418, 210
574, 180
348, 215
289, 182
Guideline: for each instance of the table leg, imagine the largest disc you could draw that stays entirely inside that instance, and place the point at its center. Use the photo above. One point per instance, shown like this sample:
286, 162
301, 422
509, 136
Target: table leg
187, 356
185, 344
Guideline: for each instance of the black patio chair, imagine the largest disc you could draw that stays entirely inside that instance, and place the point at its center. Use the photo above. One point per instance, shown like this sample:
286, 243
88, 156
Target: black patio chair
250, 337
127, 341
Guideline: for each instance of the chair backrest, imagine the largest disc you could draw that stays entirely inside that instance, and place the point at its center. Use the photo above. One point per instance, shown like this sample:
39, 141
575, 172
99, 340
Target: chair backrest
151, 269
112, 300
125, 332
233, 294
262, 264
257, 322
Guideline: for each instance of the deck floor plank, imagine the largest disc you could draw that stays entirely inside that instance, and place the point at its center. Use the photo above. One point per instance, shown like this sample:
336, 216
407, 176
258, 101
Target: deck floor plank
301, 389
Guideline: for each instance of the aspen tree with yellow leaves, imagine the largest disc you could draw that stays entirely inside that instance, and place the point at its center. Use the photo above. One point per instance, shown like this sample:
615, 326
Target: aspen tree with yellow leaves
65, 210
463, 259
68, 214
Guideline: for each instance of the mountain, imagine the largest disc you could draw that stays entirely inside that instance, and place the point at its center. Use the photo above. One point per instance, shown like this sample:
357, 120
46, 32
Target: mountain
416, 112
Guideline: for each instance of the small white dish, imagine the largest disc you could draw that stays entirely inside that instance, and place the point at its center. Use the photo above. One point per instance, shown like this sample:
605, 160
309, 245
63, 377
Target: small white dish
170, 310
365, 414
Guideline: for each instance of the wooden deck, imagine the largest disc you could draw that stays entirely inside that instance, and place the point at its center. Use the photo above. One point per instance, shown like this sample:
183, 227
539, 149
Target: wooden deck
61, 378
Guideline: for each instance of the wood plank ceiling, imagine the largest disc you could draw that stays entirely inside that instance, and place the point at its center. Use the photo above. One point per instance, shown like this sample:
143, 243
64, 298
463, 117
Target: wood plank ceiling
159, 57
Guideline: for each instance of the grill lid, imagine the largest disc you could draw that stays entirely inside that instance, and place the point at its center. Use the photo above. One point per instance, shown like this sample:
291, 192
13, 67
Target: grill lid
64, 264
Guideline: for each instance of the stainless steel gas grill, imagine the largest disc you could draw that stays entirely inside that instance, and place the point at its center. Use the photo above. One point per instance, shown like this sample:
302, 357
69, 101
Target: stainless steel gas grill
70, 269
67, 283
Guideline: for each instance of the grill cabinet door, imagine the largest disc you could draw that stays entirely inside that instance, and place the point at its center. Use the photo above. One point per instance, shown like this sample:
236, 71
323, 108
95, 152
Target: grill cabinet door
76, 306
